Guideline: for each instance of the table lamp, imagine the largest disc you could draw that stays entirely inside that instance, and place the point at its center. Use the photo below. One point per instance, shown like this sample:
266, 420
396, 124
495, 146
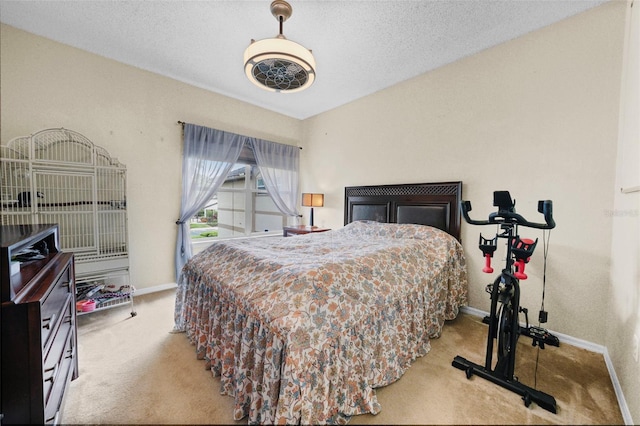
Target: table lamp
312, 200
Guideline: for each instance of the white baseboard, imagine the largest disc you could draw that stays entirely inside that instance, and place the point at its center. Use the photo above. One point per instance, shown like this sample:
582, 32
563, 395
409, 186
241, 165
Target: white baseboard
624, 408
147, 290
583, 344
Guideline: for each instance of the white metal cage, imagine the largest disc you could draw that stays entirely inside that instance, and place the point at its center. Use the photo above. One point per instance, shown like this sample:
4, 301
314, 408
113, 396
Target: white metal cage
59, 176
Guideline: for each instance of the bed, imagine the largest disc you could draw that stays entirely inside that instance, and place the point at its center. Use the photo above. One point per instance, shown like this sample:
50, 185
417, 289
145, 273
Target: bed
303, 329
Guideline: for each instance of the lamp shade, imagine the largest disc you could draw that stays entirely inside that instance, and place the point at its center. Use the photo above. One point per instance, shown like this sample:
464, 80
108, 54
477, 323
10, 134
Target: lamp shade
279, 65
312, 200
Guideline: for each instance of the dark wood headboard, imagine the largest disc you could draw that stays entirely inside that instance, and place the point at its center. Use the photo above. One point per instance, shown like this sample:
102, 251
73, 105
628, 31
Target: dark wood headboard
434, 204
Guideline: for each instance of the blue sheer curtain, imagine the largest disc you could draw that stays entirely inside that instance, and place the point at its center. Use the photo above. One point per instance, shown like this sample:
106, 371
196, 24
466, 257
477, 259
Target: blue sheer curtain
208, 156
280, 166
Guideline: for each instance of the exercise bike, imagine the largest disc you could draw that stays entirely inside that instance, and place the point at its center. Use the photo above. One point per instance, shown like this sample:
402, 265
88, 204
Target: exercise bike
503, 319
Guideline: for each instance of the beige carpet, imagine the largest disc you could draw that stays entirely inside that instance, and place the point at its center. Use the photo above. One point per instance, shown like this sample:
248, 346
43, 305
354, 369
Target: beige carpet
133, 370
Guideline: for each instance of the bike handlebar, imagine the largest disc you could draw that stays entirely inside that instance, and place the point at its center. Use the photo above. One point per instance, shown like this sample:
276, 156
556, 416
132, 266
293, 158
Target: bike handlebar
511, 217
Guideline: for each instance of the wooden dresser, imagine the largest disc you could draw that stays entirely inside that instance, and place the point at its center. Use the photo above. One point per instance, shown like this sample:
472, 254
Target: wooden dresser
38, 344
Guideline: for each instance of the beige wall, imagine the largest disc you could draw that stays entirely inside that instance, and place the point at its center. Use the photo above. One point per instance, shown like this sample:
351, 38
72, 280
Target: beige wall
133, 114
623, 319
537, 116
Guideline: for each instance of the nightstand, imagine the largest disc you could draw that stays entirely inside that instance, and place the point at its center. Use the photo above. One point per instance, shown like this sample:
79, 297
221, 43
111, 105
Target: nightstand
301, 229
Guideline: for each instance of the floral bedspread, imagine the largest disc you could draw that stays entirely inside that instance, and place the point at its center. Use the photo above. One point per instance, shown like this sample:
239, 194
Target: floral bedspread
303, 329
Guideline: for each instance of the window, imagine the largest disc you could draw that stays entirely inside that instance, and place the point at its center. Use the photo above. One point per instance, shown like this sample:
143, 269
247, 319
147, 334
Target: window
241, 207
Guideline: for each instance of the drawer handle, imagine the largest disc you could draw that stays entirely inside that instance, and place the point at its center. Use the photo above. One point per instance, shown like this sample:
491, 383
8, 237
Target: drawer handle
53, 371
65, 284
48, 321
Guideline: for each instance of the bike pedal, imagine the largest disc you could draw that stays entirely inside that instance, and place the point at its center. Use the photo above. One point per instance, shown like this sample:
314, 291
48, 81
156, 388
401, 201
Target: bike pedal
538, 332
552, 340
543, 336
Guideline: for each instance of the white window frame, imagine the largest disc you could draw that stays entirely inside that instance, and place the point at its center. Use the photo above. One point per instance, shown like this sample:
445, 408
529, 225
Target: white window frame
250, 189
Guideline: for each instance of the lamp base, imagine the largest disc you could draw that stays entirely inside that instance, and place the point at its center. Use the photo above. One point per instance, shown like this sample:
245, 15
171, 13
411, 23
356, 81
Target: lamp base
311, 217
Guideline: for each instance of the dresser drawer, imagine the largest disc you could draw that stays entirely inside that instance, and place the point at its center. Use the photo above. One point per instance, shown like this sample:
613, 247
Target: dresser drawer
58, 365
54, 303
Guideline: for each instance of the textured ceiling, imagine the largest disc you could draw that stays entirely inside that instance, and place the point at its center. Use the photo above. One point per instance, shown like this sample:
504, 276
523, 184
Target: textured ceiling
360, 47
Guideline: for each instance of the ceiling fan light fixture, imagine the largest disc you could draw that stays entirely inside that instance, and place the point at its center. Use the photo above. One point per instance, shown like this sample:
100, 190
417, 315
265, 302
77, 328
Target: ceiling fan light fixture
277, 64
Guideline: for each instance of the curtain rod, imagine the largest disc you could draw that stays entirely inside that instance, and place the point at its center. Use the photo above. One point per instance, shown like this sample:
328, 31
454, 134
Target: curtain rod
182, 123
